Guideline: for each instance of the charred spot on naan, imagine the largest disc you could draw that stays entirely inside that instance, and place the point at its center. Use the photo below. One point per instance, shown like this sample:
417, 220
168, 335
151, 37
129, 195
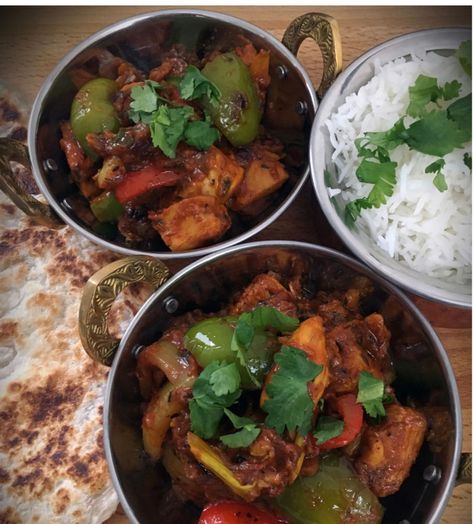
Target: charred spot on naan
52, 405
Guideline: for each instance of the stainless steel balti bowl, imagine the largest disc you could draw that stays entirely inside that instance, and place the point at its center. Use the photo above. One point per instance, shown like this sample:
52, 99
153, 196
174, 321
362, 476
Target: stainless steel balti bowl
424, 373
324, 173
290, 107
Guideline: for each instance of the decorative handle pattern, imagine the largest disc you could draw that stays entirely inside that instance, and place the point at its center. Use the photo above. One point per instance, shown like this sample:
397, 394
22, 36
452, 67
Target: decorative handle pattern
15, 151
100, 293
465, 469
324, 30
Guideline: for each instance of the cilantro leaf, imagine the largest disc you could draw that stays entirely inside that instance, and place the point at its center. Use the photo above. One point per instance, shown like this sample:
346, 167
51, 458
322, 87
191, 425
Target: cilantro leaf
451, 90
460, 112
195, 85
371, 394
377, 173
436, 134
169, 124
328, 428
242, 337
167, 127
387, 140
426, 90
261, 318
225, 380
206, 407
467, 159
382, 176
439, 181
200, 134
436, 166
205, 417
241, 439
464, 55
145, 101
289, 404
145, 97
422, 92
269, 317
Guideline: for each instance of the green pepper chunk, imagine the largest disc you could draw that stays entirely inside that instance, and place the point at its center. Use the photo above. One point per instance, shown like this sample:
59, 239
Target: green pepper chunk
106, 207
332, 496
211, 340
92, 111
238, 113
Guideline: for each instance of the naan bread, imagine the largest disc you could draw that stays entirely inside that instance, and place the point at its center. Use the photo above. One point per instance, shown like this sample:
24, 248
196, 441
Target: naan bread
52, 463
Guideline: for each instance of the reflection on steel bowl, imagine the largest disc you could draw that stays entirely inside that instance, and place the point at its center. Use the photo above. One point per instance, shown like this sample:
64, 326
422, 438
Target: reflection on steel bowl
371, 405
211, 115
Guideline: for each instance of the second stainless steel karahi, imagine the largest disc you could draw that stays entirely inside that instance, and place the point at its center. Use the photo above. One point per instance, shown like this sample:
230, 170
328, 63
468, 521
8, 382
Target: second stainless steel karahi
424, 374
141, 40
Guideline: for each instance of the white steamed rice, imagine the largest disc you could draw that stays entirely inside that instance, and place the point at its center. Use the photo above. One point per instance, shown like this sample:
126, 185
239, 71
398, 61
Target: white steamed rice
421, 227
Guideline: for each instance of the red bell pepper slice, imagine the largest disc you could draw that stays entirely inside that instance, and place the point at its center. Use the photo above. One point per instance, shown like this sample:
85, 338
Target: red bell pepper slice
230, 512
136, 183
352, 414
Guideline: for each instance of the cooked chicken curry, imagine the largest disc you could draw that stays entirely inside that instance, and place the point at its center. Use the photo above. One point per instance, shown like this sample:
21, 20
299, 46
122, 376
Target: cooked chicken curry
280, 403
177, 154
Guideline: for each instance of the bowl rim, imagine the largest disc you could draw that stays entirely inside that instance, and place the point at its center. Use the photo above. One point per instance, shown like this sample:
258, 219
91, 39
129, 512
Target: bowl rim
443, 360
37, 111
407, 281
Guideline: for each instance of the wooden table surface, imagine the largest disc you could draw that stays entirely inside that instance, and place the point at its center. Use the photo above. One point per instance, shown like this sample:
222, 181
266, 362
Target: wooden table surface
33, 40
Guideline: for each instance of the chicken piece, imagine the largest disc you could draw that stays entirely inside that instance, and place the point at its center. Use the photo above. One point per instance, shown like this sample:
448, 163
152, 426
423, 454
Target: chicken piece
192, 222
135, 226
263, 176
359, 345
111, 173
217, 175
130, 144
172, 65
82, 167
311, 338
334, 313
259, 65
388, 450
265, 290
127, 73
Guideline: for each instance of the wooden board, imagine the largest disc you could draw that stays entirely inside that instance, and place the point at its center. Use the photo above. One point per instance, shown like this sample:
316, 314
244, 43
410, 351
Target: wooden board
33, 40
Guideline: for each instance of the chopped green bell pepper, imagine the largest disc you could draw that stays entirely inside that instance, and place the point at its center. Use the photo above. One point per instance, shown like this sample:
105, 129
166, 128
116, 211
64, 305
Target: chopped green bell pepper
92, 111
211, 339
238, 113
106, 207
332, 496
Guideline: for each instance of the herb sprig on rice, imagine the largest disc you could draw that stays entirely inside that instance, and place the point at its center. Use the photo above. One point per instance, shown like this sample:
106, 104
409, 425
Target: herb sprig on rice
402, 154
436, 132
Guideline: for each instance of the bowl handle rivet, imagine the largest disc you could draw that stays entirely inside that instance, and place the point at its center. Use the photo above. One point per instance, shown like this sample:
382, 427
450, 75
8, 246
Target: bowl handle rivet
432, 474
137, 350
301, 107
170, 305
281, 72
50, 165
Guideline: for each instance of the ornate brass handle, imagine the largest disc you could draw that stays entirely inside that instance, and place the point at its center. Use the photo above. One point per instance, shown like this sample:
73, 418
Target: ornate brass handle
15, 151
465, 469
324, 30
99, 294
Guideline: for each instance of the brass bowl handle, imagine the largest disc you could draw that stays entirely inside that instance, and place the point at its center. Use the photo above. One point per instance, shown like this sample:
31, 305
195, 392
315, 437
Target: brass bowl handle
324, 30
99, 294
15, 151
465, 469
